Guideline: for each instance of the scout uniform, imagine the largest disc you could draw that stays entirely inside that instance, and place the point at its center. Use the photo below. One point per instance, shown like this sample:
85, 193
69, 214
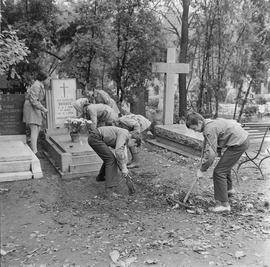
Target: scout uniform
100, 140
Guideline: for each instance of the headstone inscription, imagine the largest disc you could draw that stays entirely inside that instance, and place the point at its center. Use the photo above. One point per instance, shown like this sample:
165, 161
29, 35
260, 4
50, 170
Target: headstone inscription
59, 102
170, 69
11, 114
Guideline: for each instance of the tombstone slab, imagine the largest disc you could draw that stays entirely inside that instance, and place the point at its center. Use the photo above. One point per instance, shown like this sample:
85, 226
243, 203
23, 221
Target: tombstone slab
72, 159
179, 137
17, 161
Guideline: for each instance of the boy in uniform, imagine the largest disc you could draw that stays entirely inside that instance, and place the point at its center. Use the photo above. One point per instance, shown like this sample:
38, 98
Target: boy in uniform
221, 133
101, 139
136, 125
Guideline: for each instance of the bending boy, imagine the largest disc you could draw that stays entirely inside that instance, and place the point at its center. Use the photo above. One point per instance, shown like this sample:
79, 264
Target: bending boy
221, 133
100, 140
136, 125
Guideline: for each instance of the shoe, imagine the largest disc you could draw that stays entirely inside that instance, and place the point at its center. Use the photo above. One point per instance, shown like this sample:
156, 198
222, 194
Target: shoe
100, 178
231, 192
220, 208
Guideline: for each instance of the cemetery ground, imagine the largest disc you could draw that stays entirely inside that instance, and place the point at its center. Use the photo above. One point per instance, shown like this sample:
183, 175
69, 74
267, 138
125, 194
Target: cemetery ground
56, 222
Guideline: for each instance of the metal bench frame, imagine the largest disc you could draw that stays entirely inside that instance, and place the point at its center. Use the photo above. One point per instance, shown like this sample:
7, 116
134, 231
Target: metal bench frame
249, 127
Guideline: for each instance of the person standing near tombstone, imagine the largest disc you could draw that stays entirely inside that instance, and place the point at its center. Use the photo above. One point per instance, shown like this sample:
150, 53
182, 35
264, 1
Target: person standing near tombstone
102, 97
221, 133
33, 109
100, 140
136, 125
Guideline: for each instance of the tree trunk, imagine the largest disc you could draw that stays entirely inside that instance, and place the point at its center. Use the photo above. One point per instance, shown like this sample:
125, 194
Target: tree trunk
237, 98
183, 59
244, 101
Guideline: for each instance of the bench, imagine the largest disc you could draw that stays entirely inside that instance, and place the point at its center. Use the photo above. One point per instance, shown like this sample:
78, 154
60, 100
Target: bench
258, 133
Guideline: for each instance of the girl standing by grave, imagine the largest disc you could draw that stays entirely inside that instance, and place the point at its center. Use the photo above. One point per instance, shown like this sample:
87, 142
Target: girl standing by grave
33, 110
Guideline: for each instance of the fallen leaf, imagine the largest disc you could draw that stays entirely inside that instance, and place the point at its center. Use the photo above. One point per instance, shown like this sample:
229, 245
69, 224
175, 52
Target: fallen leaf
239, 254
114, 255
191, 211
3, 252
151, 261
130, 260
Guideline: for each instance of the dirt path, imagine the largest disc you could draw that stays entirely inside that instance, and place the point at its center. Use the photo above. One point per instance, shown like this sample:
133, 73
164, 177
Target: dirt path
51, 222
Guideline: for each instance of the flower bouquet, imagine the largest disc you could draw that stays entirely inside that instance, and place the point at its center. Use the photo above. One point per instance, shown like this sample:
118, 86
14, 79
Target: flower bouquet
77, 126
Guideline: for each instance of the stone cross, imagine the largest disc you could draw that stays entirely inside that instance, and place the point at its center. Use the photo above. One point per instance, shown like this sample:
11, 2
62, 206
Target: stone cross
171, 68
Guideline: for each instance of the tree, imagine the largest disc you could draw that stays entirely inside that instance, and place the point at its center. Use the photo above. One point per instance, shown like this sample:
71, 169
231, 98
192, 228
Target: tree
12, 52
183, 59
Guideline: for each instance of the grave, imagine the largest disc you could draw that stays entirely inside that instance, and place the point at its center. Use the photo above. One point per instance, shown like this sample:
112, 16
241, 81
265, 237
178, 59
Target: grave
175, 137
70, 159
17, 161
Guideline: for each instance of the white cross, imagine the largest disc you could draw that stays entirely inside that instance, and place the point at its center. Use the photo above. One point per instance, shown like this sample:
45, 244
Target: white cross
170, 69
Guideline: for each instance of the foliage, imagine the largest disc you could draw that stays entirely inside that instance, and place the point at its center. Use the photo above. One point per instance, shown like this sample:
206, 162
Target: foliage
34, 21
12, 51
261, 101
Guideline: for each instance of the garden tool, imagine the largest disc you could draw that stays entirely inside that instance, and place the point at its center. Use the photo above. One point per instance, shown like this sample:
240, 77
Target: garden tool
129, 183
196, 179
127, 177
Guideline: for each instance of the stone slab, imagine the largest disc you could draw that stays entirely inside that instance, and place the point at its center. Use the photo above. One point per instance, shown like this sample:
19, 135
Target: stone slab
35, 165
71, 160
15, 176
17, 160
14, 151
81, 148
179, 135
19, 166
173, 148
16, 137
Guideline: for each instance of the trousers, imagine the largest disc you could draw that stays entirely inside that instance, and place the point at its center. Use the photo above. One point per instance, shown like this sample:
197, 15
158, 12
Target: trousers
222, 172
109, 169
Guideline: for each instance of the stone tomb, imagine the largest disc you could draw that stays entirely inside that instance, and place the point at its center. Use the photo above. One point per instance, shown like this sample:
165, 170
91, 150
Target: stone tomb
17, 161
178, 138
70, 159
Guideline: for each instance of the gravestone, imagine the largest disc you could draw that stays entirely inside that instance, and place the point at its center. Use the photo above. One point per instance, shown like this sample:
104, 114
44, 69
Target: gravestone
175, 137
70, 159
59, 103
11, 114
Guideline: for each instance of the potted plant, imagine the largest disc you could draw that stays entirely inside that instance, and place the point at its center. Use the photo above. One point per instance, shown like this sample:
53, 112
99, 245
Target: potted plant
75, 127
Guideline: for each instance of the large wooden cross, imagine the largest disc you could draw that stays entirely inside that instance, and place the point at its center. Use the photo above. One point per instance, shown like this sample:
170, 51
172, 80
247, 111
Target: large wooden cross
170, 69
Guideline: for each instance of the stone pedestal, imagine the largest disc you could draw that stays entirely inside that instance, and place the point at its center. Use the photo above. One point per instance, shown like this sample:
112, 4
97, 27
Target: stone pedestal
71, 159
178, 138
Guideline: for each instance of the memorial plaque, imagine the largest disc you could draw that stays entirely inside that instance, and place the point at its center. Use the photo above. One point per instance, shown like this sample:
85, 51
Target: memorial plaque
63, 95
11, 114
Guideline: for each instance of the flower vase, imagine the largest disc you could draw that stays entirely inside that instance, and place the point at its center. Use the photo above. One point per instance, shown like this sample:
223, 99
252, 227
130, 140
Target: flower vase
75, 137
